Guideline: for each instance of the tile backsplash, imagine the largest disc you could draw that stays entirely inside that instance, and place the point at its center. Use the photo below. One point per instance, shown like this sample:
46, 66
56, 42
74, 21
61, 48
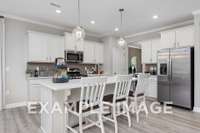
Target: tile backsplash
48, 69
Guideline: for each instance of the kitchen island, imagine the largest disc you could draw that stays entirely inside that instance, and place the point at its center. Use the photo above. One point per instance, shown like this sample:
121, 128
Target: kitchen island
56, 94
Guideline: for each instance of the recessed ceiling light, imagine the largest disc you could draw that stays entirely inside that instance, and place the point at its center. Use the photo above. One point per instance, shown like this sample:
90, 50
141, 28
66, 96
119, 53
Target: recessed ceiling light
58, 11
116, 29
92, 22
155, 17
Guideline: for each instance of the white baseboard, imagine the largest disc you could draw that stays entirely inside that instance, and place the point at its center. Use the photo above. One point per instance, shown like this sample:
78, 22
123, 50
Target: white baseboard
196, 109
15, 105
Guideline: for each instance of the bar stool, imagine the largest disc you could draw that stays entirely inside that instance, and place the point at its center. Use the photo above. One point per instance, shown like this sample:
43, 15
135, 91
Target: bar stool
138, 97
118, 101
91, 103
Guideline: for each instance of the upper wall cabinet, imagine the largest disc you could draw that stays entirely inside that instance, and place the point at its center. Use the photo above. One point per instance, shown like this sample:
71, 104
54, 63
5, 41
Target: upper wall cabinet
99, 49
185, 36
146, 51
55, 47
149, 50
44, 47
93, 52
179, 37
89, 52
155, 47
37, 50
71, 44
168, 39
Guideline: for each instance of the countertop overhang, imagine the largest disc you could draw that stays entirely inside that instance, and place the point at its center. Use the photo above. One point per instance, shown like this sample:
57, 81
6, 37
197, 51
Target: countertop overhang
72, 84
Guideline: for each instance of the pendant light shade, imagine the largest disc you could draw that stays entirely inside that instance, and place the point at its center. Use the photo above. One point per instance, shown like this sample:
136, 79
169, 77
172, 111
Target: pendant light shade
121, 41
78, 33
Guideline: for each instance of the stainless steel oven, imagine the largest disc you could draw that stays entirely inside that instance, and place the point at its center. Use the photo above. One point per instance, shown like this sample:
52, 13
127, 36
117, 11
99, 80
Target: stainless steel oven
74, 56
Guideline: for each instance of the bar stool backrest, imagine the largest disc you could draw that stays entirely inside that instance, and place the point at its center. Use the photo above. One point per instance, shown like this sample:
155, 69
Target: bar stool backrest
92, 92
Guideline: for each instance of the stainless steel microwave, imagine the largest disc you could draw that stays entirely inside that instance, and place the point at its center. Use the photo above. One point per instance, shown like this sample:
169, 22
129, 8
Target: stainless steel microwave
74, 56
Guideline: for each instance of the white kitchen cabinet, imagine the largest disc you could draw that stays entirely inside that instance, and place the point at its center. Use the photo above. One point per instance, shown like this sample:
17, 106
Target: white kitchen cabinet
152, 89
37, 47
185, 36
71, 44
155, 47
99, 48
45, 47
55, 47
179, 37
146, 51
168, 39
149, 50
93, 52
89, 52
33, 91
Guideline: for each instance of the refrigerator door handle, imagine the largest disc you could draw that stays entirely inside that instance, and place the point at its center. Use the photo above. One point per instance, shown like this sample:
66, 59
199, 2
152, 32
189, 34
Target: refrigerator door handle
171, 68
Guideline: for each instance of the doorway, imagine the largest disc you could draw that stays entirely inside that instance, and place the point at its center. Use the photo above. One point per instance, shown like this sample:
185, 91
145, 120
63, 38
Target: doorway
135, 59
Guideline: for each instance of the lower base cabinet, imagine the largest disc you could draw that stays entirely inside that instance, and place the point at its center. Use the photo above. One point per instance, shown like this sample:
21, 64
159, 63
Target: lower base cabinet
152, 89
34, 90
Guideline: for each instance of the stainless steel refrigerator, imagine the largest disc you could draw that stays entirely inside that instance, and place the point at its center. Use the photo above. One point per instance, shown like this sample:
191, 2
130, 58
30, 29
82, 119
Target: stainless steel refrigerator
176, 76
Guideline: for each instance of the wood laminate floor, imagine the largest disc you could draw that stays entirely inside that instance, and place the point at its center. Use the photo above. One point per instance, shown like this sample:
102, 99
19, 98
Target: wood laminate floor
181, 121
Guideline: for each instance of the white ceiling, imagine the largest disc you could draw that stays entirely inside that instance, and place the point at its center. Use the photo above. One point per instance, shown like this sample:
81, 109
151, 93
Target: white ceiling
138, 13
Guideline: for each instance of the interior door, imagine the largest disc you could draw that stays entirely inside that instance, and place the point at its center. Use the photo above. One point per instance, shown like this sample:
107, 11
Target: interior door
163, 75
181, 77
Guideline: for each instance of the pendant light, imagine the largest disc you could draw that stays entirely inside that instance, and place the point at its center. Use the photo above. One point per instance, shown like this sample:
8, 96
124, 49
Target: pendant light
121, 41
78, 33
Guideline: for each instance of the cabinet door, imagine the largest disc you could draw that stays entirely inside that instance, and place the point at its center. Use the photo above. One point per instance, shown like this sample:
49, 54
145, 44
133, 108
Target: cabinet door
79, 45
55, 47
99, 48
152, 89
89, 52
69, 42
155, 46
146, 51
34, 92
168, 39
60, 47
37, 47
185, 36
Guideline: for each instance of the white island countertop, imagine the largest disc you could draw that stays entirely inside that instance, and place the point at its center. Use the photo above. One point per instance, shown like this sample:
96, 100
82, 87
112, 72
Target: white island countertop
75, 83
